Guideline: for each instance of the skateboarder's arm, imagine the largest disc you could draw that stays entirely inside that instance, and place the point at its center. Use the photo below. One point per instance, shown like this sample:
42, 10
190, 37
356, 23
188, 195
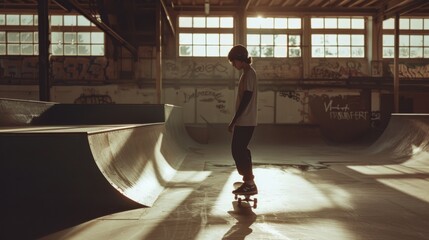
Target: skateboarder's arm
244, 102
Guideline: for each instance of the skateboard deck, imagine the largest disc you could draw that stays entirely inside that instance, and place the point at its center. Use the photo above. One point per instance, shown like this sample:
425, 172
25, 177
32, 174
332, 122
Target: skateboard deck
244, 197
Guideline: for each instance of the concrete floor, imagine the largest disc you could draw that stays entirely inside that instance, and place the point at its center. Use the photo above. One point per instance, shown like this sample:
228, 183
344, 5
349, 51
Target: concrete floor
308, 190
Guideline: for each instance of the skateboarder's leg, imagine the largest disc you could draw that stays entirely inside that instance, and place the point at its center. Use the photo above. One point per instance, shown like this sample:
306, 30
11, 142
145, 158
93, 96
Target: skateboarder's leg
240, 152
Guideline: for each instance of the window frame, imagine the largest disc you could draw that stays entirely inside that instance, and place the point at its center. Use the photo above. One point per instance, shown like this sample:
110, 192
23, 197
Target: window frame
195, 32
339, 31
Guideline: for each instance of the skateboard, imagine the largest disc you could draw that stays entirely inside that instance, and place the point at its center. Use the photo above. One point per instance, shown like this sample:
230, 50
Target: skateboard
244, 197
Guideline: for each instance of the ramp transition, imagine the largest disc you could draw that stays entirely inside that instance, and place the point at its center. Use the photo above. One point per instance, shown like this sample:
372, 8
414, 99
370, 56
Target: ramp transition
55, 176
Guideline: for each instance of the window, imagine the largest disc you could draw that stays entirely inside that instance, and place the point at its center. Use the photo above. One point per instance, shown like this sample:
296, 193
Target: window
274, 37
413, 38
338, 37
71, 35
74, 35
205, 36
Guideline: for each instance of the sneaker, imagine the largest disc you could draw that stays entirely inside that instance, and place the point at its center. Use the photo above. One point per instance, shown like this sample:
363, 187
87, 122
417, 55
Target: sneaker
246, 189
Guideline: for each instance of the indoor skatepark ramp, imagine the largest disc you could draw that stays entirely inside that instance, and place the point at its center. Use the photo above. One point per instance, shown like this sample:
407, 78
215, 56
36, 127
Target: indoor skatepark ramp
59, 175
405, 139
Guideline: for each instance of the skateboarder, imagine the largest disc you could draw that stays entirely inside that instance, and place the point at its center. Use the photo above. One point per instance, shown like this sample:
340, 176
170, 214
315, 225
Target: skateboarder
245, 119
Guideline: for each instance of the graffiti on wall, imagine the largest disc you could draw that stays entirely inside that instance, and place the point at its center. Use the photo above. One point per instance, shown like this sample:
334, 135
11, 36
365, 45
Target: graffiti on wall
329, 69
62, 68
91, 96
208, 96
80, 68
278, 69
197, 69
342, 111
302, 99
411, 70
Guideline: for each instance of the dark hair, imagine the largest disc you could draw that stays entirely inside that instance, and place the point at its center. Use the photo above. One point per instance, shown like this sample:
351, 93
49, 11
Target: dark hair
239, 52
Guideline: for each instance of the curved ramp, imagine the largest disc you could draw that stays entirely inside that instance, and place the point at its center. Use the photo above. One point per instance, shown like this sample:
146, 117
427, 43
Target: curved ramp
406, 138
57, 176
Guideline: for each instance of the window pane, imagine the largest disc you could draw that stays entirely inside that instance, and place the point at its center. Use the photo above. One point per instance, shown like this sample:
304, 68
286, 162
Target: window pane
358, 52
254, 51
185, 50
280, 39
253, 39
388, 52
199, 51
404, 52
27, 37
253, 22
13, 49
70, 50
426, 52
358, 40
27, 49
57, 49
404, 23
389, 24
358, 23
404, 40
56, 20
267, 23
317, 39
226, 22
213, 51
2, 49
416, 52
97, 50
226, 39
12, 20
294, 52
199, 22
426, 39
3, 37
212, 22
344, 40
294, 40
83, 21
84, 37
267, 51
185, 22
280, 23
317, 23
416, 40
267, 39
317, 51
84, 50
344, 52
416, 23
280, 51
330, 39
2, 19
344, 23
213, 39
185, 38
97, 37
426, 23
388, 40
70, 37
331, 52
331, 23
57, 38
27, 20
69, 20
13, 37
294, 23
199, 38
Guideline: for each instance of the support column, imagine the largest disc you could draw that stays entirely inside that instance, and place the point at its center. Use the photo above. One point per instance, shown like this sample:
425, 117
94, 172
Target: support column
396, 67
43, 27
158, 53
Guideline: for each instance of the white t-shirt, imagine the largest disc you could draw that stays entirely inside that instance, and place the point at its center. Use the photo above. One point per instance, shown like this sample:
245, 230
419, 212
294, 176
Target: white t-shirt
248, 82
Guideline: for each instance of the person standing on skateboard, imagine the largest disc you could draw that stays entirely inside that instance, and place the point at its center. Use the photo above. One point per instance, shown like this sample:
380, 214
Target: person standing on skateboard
245, 119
